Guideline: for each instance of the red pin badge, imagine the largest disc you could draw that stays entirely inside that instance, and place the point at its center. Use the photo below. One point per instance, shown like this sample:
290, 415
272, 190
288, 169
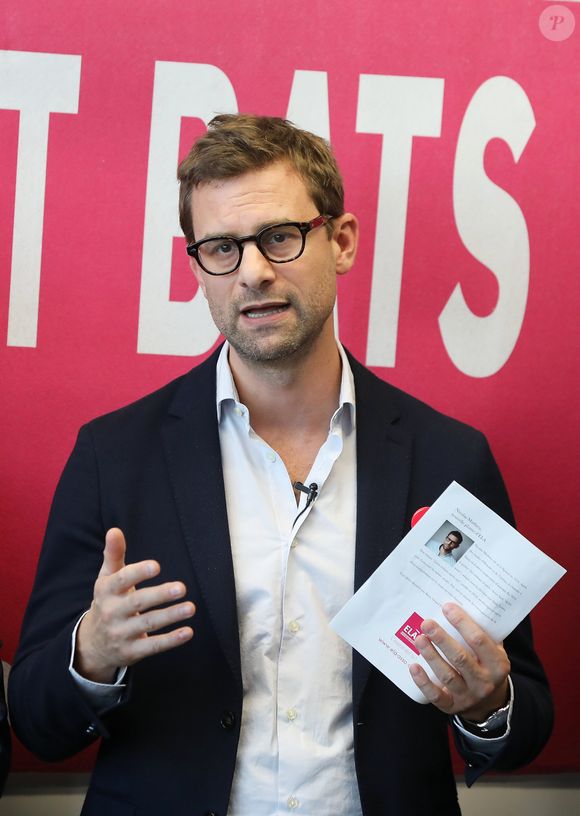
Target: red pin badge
417, 515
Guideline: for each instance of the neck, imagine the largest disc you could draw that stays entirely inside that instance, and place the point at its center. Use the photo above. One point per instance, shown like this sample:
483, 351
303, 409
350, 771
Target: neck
298, 392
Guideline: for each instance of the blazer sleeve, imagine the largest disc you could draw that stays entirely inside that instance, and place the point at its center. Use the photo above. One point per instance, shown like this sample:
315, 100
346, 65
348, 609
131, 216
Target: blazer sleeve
48, 711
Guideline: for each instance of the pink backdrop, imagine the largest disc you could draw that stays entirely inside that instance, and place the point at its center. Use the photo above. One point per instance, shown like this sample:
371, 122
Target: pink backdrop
456, 125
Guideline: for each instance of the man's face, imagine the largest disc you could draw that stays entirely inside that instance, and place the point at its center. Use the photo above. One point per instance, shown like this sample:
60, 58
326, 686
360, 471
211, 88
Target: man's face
269, 311
450, 543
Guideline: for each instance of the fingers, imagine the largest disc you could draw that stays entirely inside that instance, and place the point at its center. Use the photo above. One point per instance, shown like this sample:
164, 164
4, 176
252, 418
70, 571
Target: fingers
448, 673
470, 678
156, 644
122, 578
435, 694
451, 684
114, 563
484, 660
142, 608
148, 597
128, 632
450, 661
114, 552
127, 578
156, 619
482, 645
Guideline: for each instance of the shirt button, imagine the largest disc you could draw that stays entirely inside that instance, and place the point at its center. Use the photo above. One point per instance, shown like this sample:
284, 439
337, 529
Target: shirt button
291, 714
294, 627
271, 456
238, 411
293, 802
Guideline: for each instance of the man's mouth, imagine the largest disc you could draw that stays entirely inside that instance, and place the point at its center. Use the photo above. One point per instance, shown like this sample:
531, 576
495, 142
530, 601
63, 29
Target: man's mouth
267, 310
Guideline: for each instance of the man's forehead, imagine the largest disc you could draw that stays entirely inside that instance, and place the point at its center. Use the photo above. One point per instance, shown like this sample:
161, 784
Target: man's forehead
261, 176
273, 193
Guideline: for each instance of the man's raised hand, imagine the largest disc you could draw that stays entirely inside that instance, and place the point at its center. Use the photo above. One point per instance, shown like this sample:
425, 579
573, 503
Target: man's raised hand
116, 631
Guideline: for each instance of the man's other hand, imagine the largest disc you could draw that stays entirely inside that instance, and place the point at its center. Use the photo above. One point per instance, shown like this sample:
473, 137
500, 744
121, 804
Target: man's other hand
472, 682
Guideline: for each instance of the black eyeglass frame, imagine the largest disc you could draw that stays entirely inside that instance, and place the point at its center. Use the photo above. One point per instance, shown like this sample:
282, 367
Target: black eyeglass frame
304, 226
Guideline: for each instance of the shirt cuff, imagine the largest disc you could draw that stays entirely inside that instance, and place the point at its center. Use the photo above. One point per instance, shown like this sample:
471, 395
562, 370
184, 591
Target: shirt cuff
100, 696
487, 745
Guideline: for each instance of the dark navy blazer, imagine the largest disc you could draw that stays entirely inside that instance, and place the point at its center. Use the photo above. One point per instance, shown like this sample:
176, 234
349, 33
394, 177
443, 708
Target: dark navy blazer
169, 745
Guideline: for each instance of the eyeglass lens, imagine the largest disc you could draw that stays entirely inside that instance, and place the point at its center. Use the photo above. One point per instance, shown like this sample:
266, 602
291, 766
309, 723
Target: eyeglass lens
279, 243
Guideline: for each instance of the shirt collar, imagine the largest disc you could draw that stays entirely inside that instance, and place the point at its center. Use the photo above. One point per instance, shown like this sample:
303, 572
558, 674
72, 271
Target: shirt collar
226, 392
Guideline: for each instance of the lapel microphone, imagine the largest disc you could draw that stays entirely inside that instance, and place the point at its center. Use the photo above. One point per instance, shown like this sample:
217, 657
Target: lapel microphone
311, 493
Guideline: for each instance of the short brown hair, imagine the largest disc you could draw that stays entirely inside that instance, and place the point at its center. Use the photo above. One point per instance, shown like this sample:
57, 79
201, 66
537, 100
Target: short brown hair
239, 143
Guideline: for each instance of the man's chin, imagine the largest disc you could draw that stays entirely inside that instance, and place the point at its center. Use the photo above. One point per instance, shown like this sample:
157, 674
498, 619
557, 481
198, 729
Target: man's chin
265, 352
271, 349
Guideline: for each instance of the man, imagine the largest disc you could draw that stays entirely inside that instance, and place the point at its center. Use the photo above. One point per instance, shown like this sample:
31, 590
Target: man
264, 486
444, 549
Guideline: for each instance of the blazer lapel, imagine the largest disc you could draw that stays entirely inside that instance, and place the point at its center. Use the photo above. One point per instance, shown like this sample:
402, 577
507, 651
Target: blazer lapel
191, 442
384, 453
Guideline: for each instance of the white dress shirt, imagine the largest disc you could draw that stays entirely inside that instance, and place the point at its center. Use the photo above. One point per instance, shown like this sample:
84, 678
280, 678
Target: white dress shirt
293, 571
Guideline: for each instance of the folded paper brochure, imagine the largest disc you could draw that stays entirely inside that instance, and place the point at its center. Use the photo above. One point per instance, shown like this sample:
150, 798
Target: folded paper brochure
459, 551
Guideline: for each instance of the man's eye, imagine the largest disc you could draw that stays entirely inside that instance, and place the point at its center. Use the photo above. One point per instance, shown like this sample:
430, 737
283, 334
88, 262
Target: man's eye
276, 238
220, 248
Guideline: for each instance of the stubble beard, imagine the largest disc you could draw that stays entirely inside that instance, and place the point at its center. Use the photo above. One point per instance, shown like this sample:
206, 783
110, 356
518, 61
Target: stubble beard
273, 344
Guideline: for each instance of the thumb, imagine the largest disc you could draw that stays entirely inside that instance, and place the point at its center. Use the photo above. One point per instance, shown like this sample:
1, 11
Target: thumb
114, 552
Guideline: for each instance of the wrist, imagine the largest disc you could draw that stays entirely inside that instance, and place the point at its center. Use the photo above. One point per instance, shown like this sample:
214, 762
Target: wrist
86, 661
95, 673
494, 725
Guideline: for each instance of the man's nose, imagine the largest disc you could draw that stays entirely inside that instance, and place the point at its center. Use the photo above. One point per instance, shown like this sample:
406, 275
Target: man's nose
255, 270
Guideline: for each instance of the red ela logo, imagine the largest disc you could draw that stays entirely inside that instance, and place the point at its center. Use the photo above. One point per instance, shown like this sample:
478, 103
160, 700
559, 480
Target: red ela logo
409, 631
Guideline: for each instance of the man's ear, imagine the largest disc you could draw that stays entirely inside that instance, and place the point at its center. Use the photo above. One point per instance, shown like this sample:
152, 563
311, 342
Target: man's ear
198, 275
345, 237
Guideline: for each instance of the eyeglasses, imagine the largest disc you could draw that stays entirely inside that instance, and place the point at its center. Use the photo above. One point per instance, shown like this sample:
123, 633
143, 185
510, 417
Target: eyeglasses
279, 243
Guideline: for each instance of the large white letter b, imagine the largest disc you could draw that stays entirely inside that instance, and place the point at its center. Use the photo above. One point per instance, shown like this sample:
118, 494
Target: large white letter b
167, 327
